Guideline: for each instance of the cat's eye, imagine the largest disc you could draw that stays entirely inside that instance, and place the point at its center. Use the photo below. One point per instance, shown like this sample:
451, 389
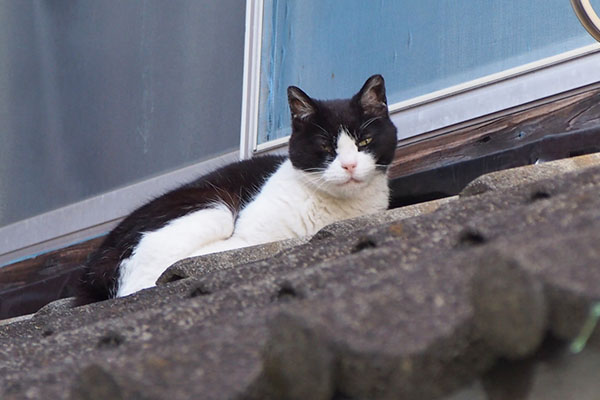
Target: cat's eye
365, 142
327, 148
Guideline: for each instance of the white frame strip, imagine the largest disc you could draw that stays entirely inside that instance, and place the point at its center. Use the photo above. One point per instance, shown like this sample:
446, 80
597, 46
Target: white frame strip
251, 79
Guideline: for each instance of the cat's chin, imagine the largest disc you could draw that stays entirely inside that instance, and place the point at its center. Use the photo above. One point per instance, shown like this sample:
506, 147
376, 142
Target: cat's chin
345, 190
351, 181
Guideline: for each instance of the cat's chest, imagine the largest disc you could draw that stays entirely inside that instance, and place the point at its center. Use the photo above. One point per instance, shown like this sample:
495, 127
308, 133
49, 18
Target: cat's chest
288, 208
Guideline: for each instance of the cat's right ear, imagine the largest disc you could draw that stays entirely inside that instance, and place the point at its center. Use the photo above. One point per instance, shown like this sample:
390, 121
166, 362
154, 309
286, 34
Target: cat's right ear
301, 106
372, 97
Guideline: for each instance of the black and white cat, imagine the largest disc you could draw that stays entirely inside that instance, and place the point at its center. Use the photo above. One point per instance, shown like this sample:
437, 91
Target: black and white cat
339, 152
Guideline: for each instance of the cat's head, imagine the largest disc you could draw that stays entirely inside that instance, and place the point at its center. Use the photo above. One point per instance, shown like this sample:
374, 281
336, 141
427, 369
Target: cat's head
342, 145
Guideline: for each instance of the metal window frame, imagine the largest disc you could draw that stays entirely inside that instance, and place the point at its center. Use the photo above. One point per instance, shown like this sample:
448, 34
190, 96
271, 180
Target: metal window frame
439, 111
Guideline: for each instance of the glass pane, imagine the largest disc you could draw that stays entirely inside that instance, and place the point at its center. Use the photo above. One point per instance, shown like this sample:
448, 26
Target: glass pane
96, 95
330, 47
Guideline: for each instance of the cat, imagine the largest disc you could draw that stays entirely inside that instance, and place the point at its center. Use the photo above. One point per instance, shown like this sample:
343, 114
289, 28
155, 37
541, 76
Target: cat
336, 168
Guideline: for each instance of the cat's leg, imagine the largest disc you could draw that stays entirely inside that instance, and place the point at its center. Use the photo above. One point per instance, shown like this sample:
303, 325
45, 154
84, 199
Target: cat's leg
159, 249
223, 245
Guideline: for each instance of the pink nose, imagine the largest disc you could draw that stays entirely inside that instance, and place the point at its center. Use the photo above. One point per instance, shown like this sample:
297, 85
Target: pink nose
349, 166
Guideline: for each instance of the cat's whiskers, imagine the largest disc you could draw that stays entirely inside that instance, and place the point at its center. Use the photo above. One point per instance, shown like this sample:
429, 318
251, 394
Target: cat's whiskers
321, 183
381, 165
325, 137
368, 122
314, 177
314, 170
316, 181
321, 128
316, 189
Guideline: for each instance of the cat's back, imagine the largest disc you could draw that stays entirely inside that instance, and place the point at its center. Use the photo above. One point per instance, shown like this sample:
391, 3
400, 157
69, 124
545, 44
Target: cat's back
232, 185
246, 173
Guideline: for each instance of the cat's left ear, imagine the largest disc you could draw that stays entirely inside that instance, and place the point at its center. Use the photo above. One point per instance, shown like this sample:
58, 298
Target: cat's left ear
372, 98
301, 105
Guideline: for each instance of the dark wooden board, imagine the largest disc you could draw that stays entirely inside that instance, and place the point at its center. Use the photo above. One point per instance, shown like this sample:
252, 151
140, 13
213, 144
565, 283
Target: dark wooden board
28, 285
572, 113
450, 179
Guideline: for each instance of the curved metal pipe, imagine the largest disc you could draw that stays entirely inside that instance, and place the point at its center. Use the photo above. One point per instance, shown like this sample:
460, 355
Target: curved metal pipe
587, 16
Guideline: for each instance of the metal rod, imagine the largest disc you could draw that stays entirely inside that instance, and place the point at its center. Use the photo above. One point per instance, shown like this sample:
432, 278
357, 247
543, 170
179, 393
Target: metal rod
587, 16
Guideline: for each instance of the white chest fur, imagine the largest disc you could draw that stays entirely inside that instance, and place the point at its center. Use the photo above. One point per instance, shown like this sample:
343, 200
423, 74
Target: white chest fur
289, 206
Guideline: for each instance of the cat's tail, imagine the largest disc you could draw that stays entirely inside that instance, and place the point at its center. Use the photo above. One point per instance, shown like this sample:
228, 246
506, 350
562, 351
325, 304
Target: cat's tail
98, 280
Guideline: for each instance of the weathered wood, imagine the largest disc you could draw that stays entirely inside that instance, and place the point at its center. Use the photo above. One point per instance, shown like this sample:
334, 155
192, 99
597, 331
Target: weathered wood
38, 268
28, 285
449, 180
568, 114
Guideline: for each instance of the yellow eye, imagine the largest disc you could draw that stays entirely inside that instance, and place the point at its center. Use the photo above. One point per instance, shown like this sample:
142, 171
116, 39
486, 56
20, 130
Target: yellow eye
365, 142
327, 148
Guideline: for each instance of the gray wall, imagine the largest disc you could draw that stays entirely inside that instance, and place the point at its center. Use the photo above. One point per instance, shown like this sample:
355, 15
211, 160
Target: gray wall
96, 95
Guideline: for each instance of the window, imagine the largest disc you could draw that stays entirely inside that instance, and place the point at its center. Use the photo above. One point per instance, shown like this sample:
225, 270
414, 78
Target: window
105, 104
428, 51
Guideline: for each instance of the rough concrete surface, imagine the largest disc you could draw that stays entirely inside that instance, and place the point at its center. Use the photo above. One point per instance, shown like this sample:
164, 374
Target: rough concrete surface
476, 297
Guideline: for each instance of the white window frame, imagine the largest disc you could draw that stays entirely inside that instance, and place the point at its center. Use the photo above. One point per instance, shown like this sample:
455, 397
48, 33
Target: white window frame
443, 110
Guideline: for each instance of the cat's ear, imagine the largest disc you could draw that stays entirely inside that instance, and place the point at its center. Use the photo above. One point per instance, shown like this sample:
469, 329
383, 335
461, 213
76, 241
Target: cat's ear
301, 106
371, 97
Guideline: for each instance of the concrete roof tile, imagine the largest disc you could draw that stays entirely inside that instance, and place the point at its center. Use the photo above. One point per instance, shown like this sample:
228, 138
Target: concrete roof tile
412, 303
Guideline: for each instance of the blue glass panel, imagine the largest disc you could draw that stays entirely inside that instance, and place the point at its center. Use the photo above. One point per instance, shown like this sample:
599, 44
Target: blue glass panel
330, 47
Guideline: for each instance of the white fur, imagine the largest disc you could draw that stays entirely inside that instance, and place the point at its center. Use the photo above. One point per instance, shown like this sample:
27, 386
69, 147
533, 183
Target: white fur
292, 203
159, 249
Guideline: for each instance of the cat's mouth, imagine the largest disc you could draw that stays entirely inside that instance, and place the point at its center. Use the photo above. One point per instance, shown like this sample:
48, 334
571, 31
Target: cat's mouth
351, 181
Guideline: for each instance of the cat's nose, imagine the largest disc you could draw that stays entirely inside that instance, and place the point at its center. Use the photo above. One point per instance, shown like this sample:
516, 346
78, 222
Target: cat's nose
349, 166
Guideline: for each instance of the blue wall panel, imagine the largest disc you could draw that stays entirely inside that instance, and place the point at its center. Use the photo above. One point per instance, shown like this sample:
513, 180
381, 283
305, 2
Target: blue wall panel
329, 47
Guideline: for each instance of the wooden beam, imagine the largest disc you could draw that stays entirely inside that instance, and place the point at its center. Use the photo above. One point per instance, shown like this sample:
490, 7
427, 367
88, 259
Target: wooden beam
571, 113
28, 285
